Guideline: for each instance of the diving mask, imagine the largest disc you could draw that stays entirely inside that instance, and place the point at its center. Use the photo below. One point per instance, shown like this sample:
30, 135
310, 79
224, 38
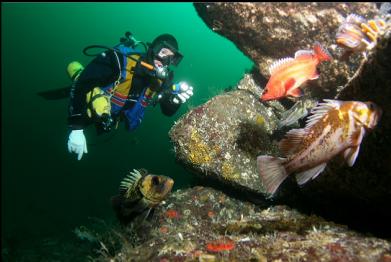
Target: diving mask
167, 54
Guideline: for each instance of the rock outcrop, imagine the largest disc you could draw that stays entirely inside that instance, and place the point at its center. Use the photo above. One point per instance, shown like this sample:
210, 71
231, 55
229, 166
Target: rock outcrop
222, 138
266, 32
202, 224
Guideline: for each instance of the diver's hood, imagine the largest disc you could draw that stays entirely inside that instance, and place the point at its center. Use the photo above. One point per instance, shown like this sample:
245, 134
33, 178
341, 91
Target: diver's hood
165, 41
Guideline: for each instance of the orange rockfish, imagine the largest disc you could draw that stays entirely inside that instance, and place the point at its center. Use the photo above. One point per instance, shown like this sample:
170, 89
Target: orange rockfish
288, 74
334, 127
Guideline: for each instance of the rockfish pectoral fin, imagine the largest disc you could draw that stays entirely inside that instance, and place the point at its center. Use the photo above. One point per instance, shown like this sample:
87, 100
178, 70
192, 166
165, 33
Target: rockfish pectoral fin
351, 154
289, 84
295, 92
321, 52
303, 177
315, 75
272, 172
266, 96
292, 141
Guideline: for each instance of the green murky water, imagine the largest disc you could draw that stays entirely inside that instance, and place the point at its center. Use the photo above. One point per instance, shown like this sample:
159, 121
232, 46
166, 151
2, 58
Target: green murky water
46, 192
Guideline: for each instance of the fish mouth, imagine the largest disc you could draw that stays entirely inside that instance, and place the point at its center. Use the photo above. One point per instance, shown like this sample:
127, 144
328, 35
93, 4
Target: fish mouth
373, 124
170, 182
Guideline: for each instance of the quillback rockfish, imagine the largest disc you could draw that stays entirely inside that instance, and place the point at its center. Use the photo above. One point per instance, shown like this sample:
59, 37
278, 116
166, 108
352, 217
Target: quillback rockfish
140, 192
334, 127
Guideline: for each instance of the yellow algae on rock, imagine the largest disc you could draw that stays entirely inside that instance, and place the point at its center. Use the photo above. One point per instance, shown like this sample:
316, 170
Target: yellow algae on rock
228, 171
199, 152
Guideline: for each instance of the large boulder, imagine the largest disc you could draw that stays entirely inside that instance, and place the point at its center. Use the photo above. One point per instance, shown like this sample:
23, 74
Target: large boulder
221, 138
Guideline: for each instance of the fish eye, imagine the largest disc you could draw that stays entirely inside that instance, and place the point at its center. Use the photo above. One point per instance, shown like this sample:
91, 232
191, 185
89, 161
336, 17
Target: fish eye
155, 181
371, 106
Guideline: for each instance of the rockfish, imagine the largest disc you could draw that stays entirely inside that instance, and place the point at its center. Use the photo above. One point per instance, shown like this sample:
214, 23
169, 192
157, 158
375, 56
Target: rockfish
139, 193
356, 34
334, 127
288, 74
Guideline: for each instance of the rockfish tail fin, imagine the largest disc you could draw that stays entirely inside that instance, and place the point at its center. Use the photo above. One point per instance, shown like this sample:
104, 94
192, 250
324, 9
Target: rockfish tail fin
272, 172
321, 53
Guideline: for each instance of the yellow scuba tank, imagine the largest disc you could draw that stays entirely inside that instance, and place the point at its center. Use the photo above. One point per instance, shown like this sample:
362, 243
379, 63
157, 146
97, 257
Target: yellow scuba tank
99, 108
96, 99
74, 69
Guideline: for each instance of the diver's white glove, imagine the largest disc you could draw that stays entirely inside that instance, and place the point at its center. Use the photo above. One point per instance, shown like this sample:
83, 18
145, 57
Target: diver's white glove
77, 143
182, 92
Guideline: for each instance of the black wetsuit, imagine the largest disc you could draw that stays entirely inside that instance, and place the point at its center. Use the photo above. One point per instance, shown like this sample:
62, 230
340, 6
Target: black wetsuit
104, 70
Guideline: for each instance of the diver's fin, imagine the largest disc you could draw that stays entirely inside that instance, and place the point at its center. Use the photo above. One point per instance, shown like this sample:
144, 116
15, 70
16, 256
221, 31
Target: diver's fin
303, 177
351, 154
55, 94
272, 172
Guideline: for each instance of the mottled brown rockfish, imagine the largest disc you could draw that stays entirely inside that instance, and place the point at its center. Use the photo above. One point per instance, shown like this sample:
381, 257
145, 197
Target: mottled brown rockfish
139, 193
335, 127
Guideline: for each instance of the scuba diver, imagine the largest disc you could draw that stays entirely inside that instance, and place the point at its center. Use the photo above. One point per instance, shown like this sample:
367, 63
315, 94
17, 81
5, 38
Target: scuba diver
119, 83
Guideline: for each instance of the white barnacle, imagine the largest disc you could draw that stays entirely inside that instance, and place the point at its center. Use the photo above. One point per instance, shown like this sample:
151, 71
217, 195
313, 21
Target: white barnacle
246, 239
180, 236
227, 156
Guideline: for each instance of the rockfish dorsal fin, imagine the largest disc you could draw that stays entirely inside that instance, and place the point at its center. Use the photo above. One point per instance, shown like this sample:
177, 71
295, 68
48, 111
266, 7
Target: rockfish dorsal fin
279, 63
354, 18
293, 139
304, 176
304, 53
143, 171
129, 183
319, 111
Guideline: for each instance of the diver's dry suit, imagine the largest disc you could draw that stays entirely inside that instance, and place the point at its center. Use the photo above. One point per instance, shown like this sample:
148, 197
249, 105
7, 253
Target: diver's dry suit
103, 72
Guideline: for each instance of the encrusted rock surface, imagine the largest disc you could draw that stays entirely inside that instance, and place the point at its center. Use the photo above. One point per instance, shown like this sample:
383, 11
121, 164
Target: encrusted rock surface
221, 137
202, 224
